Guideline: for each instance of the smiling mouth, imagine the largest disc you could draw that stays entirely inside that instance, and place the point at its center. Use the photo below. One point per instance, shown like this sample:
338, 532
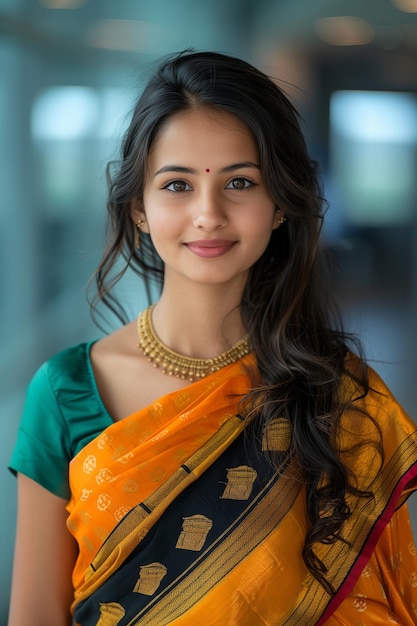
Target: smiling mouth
210, 248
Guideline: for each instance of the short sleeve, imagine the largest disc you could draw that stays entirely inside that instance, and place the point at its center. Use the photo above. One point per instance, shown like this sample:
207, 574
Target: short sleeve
62, 413
42, 451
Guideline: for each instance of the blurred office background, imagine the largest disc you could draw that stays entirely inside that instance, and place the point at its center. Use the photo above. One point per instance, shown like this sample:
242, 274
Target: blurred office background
69, 73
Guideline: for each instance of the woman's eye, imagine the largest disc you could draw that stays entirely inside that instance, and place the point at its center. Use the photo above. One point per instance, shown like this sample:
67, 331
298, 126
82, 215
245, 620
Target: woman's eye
177, 185
239, 183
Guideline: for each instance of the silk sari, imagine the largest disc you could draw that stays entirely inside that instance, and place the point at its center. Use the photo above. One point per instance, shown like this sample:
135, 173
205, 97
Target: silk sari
181, 520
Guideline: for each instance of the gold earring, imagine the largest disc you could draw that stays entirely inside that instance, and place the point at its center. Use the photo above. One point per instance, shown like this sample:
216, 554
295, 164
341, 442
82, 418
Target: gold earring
138, 226
282, 219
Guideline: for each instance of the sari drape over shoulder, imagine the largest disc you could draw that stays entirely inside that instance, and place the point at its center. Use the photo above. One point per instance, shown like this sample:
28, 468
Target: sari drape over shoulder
181, 519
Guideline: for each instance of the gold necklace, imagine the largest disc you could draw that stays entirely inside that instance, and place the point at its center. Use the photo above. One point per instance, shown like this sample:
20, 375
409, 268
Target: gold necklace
175, 364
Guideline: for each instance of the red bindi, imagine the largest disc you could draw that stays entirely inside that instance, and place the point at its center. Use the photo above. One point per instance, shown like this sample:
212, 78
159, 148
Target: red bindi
207, 169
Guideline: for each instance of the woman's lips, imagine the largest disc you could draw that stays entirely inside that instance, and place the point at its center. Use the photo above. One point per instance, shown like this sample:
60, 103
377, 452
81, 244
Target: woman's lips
210, 248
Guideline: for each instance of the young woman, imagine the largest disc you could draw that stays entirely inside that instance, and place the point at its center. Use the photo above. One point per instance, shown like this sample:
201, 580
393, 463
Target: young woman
226, 458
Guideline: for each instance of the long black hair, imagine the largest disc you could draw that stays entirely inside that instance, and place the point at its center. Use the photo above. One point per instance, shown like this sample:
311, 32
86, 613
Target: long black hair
287, 309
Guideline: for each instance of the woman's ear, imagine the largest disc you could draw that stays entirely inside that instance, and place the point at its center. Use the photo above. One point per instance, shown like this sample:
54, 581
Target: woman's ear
138, 216
279, 219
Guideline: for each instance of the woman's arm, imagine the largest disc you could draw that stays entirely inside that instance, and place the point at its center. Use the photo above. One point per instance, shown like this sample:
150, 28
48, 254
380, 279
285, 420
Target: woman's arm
45, 554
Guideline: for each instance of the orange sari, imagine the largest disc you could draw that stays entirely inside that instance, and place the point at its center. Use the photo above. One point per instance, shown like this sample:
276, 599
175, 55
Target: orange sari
178, 522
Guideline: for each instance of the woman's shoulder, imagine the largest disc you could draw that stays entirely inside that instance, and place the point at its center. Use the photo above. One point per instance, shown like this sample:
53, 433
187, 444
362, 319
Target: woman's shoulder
66, 369
373, 411
362, 382
72, 367
61, 409
63, 398
70, 357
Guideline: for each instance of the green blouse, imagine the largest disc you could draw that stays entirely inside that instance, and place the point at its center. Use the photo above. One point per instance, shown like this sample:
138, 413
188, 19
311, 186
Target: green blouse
62, 413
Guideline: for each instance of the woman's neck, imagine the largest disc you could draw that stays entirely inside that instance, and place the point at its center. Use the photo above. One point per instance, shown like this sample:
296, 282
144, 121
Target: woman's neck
200, 324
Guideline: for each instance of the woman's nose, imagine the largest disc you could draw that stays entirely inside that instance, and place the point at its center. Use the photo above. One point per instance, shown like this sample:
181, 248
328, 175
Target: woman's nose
210, 212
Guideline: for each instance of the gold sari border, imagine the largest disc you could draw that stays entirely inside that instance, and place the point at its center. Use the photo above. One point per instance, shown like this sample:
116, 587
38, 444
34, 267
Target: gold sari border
249, 531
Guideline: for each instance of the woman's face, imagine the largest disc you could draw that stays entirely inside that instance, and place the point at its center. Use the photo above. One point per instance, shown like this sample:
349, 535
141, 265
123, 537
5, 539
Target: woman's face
206, 207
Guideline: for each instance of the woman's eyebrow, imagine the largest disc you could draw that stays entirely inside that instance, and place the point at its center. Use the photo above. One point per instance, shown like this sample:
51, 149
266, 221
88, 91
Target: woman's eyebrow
190, 170
238, 166
176, 168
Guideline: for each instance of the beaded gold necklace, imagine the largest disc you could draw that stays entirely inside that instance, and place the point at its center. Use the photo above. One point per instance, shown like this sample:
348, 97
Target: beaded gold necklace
175, 364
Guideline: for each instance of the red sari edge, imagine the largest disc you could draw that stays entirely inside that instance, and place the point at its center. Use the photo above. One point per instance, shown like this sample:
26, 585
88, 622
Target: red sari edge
369, 546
